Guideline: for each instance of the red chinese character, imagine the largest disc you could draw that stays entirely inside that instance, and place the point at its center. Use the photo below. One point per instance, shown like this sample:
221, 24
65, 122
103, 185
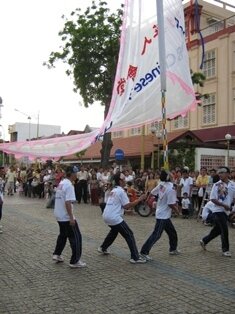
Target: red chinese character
132, 72
155, 28
121, 86
146, 41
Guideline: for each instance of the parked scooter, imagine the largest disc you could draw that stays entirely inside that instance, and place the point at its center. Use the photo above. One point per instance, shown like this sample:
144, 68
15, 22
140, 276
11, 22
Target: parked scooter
147, 207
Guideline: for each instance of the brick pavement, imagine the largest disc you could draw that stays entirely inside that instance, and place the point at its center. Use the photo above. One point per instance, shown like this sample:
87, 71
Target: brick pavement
195, 282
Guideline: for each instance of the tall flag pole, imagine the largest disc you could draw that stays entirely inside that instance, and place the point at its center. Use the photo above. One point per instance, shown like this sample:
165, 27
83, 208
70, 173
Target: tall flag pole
162, 59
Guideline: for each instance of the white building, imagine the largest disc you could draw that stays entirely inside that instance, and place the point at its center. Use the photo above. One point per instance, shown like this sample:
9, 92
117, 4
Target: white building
28, 131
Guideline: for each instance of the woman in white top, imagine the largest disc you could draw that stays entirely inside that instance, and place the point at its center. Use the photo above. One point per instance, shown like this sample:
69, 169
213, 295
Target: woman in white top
113, 213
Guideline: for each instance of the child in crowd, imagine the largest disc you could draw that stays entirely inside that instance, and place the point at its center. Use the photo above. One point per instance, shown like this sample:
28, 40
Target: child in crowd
131, 192
132, 195
185, 205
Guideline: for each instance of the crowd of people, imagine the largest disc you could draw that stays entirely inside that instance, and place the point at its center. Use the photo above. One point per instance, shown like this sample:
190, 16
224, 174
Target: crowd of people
119, 189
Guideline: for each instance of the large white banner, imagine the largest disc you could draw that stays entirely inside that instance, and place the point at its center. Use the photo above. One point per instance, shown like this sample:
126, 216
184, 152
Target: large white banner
136, 98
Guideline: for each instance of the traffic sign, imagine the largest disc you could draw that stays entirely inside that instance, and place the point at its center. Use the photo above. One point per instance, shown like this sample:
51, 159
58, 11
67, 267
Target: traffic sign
119, 154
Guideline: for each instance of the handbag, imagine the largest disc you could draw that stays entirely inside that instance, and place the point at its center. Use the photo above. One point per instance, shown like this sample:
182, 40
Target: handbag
200, 192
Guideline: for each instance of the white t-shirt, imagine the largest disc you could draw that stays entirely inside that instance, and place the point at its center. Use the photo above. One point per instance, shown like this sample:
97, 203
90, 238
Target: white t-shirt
209, 207
186, 184
104, 178
114, 211
223, 192
166, 196
185, 203
64, 192
129, 178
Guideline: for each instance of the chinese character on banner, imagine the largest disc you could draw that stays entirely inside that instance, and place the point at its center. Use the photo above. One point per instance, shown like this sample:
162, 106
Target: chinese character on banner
146, 41
132, 72
155, 28
121, 86
149, 41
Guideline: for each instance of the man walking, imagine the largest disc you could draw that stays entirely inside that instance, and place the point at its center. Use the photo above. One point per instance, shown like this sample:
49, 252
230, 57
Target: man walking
166, 202
222, 196
69, 229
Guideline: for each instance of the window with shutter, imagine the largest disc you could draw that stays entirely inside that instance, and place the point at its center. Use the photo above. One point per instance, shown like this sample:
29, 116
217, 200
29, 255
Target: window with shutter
181, 122
209, 110
209, 64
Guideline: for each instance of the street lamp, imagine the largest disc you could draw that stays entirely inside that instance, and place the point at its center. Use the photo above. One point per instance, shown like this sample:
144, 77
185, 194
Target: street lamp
30, 118
228, 138
159, 136
153, 130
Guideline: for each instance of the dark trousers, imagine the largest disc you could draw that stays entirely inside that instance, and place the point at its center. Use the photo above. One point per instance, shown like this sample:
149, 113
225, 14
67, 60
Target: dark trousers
160, 226
1, 203
75, 239
194, 200
82, 191
126, 233
220, 222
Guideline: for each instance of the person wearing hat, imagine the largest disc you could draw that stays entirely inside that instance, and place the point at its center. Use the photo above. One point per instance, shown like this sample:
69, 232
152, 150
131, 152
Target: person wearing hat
166, 202
117, 203
222, 196
69, 229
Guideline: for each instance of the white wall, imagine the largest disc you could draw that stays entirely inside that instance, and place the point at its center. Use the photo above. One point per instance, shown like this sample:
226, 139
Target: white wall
26, 130
211, 151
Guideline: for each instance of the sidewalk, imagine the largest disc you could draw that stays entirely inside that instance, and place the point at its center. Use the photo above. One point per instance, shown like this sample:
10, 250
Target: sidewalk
196, 282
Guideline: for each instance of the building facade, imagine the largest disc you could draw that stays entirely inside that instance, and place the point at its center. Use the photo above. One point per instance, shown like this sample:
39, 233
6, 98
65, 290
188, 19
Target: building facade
214, 50
28, 131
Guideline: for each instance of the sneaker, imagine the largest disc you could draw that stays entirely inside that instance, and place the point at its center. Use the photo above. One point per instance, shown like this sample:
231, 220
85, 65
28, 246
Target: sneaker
79, 264
105, 252
138, 261
203, 245
175, 252
146, 256
57, 258
227, 254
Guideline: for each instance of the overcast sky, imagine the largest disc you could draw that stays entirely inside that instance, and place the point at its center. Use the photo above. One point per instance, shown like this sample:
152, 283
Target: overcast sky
29, 32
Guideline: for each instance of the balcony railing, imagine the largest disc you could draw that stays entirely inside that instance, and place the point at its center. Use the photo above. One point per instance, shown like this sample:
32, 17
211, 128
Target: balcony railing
218, 26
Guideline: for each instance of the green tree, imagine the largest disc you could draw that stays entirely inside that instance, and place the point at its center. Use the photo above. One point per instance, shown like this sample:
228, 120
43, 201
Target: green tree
80, 155
90, 50
198, 79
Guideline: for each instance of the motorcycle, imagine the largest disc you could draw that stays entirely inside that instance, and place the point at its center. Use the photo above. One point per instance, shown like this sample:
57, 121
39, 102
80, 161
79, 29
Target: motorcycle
147, 207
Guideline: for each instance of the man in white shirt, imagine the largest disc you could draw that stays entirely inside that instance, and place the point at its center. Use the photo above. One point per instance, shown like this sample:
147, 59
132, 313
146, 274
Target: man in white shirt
69, 229
222, 196
186, 183
113, 213
166, 202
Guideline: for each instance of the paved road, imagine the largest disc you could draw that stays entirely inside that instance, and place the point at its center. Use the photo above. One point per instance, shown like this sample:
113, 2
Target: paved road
195, 282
